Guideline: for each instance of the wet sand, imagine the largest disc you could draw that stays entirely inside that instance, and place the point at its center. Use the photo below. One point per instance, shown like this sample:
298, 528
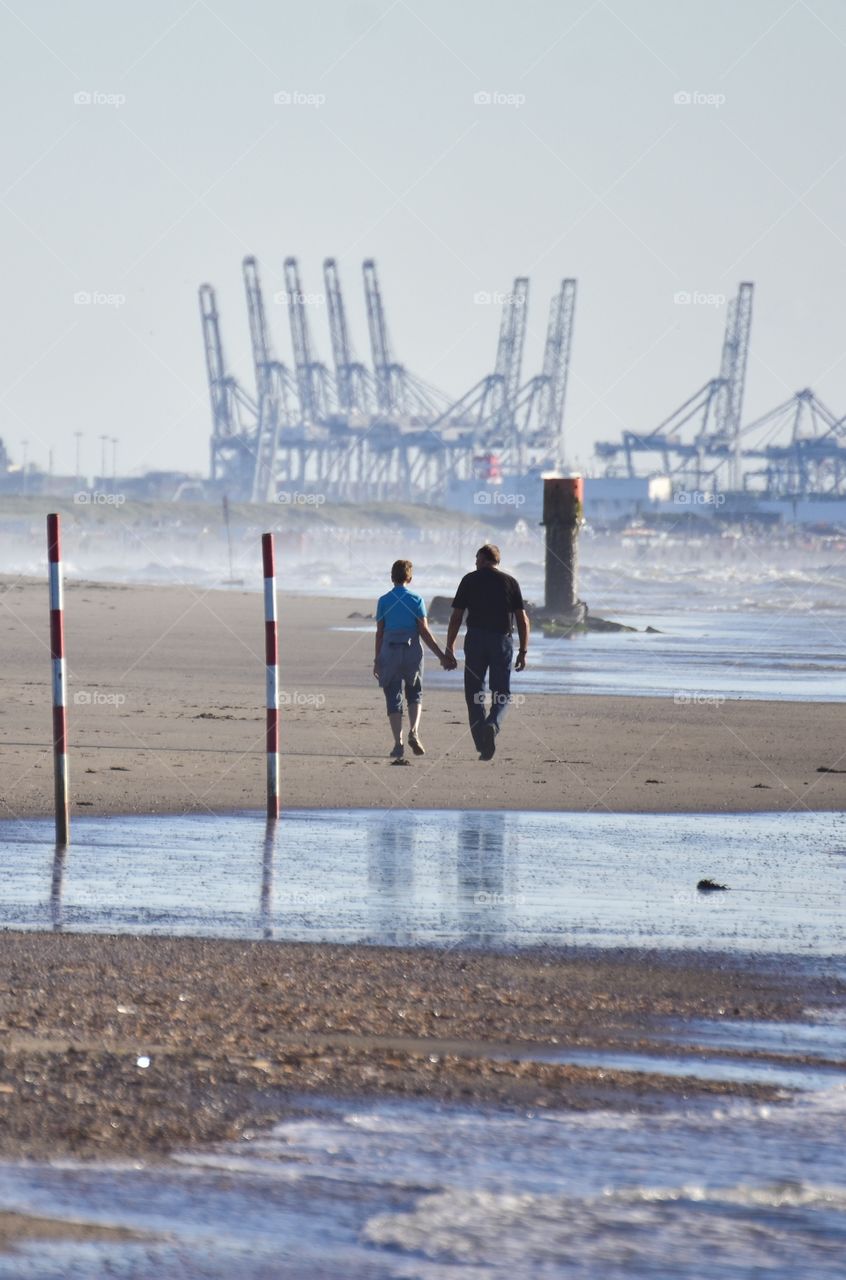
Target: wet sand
19, 1227
131, 1046
166, 694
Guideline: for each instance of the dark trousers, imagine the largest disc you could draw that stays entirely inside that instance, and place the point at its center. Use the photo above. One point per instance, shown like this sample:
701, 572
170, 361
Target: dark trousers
486, 652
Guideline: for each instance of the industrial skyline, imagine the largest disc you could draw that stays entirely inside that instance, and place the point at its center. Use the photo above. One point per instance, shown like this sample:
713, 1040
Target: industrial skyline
353, 431
654, 156
358, 431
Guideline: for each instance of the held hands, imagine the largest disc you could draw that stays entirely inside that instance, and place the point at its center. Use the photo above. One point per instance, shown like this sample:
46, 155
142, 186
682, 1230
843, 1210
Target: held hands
449, 661
520, 664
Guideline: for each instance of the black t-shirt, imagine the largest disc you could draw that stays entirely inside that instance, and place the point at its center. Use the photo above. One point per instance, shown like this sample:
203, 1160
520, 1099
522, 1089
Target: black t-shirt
491, 597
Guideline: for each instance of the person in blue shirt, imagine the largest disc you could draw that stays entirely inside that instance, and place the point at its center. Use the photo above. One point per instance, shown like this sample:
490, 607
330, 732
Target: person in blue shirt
400, 626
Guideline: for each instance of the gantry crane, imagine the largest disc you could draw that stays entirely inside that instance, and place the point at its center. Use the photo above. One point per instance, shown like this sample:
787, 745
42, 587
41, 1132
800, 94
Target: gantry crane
314, 381
400, 396
234, 412
699, 437
541, 401
385, 433
735, 358
487, 411
274, 387
810, 455
502, 431
352, 379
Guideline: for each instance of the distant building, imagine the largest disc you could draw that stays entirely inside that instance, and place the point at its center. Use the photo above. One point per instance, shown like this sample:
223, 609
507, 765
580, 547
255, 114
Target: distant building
611, 500
745, 506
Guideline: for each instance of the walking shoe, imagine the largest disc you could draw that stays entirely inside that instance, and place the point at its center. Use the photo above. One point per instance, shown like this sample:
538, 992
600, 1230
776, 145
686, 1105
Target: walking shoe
416, 745
488, 737
398, 752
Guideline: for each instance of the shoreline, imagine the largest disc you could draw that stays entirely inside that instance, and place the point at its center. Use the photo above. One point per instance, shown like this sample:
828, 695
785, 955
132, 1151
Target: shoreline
259, 810
120, 1045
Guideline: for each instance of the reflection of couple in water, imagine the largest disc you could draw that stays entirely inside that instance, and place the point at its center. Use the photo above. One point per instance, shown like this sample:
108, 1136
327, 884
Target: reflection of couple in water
493, 603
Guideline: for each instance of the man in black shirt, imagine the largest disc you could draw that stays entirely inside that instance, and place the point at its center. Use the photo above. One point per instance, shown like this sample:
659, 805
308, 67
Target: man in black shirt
492, 600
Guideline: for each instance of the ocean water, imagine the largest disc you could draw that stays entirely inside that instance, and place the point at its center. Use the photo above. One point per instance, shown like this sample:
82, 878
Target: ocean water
739, 626
417, 1191
700, 660
431, 877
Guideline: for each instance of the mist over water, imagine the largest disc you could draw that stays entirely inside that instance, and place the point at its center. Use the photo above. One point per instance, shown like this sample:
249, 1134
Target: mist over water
620, 573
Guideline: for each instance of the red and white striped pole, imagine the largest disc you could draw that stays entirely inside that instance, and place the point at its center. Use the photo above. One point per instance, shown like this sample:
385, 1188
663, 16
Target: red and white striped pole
57, 655
271, 655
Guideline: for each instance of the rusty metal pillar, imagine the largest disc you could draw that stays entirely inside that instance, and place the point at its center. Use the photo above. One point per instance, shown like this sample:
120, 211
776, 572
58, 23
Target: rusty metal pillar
563, 500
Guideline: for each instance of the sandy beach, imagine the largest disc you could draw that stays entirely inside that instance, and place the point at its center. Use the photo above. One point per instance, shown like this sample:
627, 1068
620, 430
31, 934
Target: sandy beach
166, 690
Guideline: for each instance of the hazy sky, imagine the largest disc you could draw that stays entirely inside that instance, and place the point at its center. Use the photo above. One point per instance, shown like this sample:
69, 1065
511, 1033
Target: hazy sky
583, 164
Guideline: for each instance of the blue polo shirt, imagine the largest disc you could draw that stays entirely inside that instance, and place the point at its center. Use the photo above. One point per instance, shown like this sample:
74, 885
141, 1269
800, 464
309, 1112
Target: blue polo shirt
400, 609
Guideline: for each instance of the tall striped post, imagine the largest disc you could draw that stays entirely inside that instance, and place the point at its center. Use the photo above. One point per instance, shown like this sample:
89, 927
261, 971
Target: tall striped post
271, 656
57, 656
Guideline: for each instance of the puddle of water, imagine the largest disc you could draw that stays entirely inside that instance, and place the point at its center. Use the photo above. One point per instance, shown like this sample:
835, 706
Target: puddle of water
710, 1067
813, 1040
781, 1041
427, 1192
437, 877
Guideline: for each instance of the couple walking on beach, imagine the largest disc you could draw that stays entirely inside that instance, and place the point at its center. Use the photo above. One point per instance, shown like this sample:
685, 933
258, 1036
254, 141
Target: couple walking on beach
493, 603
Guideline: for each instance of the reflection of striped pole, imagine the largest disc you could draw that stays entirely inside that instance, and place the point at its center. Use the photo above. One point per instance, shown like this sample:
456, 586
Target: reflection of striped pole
57, 654
271, 654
